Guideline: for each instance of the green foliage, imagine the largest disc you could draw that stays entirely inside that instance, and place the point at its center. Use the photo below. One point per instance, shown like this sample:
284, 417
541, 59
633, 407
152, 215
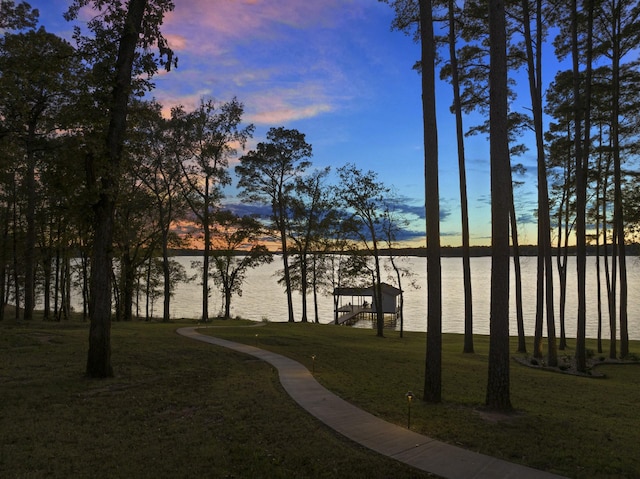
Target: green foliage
268, 173
17, 17
100, 47
236, 251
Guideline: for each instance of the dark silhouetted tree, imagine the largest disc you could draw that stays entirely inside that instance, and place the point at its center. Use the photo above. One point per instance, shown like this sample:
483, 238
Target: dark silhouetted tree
268, 176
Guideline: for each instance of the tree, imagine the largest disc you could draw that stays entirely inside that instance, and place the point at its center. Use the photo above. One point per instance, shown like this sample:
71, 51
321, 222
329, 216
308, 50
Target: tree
310, 218
236, 250
335, 264
533, 51
618, 26
136, 236
39, 74
267, 176
468, 70
498, 384
118, 32
561, 165
363, 197
397, 273
210, 134
515, 243
581, 161
433, 360
17, 17
464, 207
418, 16
161, 174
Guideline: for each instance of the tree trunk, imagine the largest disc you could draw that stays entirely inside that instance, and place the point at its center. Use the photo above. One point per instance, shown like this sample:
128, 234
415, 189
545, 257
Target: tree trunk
57, 297
399, 281
303, 286
598, 253
433, 360
611, 291
462, 175
166, 275
4, 244
30, 238
66, 303
316, 314
99, 355
498, 383
285, 256
127, 282
227, 302
522, 346
562, 259
581, 199
377, 287
16, 262
207, 249
147, 302
85, 285
46, 273
545, 267
618, 215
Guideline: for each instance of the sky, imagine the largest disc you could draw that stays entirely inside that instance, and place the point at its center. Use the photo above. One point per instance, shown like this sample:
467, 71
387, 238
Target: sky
335, 71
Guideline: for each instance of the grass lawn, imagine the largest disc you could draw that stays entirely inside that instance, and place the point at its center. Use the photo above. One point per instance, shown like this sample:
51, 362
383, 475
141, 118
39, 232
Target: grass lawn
181, 408
176, 408
587, 427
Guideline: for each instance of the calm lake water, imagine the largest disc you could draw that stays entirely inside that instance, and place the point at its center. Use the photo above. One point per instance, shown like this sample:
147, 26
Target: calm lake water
264, 299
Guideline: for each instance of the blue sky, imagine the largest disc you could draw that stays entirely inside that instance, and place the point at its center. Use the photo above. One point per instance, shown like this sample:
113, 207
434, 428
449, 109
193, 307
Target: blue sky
335, 71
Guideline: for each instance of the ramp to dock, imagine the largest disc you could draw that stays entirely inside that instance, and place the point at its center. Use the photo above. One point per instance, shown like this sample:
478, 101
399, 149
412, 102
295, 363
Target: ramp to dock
352, 314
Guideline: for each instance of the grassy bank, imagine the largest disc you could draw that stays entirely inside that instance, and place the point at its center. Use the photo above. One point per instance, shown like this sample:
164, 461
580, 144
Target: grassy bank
180, 408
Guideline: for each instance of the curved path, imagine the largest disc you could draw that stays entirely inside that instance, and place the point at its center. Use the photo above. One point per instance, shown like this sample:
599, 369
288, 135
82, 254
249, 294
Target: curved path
372, 432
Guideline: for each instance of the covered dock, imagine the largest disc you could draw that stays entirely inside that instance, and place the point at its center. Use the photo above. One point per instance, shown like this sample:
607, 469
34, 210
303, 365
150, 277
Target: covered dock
360, 303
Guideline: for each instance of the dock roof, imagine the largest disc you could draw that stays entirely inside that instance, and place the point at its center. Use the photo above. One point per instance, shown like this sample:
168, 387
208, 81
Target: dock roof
368, 291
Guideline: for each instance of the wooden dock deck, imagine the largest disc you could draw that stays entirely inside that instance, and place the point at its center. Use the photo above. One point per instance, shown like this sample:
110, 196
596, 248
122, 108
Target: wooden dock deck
351, 312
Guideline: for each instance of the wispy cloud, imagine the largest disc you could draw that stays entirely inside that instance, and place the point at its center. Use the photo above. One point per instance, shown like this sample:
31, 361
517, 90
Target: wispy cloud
177, 42
279, 57
244, 19
282, 105
286, 114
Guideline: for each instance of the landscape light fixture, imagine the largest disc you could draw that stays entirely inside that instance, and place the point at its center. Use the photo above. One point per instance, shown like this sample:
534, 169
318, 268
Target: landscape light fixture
409, 397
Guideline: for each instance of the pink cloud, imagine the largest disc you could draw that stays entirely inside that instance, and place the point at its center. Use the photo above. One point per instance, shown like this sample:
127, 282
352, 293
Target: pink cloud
176, 42
205, 24
277, 56
283, 115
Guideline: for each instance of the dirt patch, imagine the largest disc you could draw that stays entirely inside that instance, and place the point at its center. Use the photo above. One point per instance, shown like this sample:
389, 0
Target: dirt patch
568, 365
495, 417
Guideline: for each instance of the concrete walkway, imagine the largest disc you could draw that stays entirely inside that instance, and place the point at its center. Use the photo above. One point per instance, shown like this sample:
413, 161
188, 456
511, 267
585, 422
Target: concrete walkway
372, 432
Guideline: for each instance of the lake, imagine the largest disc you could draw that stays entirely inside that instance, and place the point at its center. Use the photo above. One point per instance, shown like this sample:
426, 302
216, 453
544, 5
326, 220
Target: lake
264, 299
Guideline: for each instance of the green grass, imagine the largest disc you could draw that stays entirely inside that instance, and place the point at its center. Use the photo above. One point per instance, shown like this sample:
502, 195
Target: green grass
176, 408
575, 426
181, 408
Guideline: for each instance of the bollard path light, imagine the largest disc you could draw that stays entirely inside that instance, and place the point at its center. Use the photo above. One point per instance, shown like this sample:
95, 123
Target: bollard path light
313, 364
410, 397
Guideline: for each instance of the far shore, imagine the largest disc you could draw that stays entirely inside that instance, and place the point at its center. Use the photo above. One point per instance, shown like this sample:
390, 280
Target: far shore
632, 249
